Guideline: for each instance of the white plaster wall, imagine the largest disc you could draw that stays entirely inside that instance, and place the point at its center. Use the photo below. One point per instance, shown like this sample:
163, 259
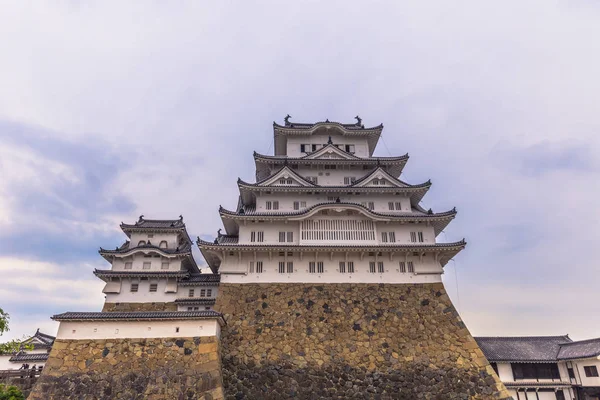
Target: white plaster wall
234, 270
5, 364
76, 330
138, 261
294, 142
505, 372
271, 231
587, 381
200, 308
286, 201
171, 238
143, 295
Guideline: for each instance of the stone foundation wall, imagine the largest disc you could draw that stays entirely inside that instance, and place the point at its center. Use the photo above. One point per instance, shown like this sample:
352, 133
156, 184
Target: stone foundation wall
173, 369
24, 383
123, 307
341, 341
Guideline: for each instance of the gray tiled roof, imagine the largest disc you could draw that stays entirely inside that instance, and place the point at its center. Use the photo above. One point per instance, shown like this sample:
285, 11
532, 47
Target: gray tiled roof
369, 160
185, 248
522, 349
580, 349
29, 357
141, 315
196, 300
201, 280
127, 273
156, 223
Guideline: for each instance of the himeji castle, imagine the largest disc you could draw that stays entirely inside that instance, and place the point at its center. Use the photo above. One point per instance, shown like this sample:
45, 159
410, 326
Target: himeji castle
324, 209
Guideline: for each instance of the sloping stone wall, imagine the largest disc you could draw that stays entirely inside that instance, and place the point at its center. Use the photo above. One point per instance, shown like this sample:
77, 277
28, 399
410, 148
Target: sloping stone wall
124, 307
24, 382
173, 369
342, 341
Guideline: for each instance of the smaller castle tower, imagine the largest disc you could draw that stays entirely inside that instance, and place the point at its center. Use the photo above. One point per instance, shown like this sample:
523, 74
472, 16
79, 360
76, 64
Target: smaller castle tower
157, 334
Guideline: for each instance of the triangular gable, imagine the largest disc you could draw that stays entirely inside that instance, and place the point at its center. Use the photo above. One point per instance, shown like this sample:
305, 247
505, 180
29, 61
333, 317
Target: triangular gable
379, 178
285, 177
330, 152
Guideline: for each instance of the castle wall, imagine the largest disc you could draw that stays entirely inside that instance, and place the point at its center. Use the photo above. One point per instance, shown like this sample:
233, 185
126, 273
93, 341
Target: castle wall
152, 369
349, 341
155, 306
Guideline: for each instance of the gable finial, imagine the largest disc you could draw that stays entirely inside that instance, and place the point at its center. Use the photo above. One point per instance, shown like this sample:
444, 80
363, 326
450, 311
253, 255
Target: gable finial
180, 217
327, 120
219, 232
358, 120
141, 218
330, 141
287, 119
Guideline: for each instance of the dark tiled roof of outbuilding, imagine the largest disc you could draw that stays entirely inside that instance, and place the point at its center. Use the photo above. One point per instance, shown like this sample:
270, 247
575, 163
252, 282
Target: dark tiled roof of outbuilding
137, 315
536, 384
156, 223
303, 125
579, 349
522, 348
150, 274
196, 300
20, 357
201, 279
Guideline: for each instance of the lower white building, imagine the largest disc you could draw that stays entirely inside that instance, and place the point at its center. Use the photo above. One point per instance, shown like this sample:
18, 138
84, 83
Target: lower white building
545, 367
40, 344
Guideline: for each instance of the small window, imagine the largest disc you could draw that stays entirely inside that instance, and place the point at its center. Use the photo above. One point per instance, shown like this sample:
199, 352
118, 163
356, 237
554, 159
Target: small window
296, 205
177, 329
371, 205
349, 180
196, 308
312, 267
290, 267
191, 293
163, 244
303, 204
208, 292
282, 181
128, 265
591, 371
392, 236
421, 237
382, 182
251, 267
571, 373
320, 268
375, 181
146, 265
411, 267
261, 236
398, 205
313, 179
190, 308
153, 287
290, 181
413, 237
268, 205
380, 268
259, 267
290, 237
402, 267
282, 267
342, 267
253, 236
142, 243
134, 287
350, 148
384, 237
372, 267
303, 148
350, 267
391, 205
202, 292
281, 237
314, 147
164, 265
276, 205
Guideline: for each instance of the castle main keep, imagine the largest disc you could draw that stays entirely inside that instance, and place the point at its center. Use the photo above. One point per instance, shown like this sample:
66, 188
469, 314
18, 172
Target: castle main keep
326, 283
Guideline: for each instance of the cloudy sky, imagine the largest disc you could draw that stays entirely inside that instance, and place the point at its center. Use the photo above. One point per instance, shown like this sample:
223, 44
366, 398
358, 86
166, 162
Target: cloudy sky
109, 110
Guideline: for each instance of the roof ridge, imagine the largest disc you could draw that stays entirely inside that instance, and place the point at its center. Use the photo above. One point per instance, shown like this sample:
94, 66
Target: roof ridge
522, 337
581, 341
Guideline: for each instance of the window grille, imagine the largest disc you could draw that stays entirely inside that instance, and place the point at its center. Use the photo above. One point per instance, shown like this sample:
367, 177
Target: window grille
290, 181
191, 293
261, 236
320, 268
402, 267
276, 205
392, 236
282, 267
591, 371
290, 237
382, 182
312, 267
208, 292
251, 267
153, 287
391, 205
342, 267
282, 181
411, 267
350, 267
259, 267
128, 265
202, 292
338, 230
164, 265
290, 267
380, 268
269, 205
421, 237
253, 236
413, 237
398, 205
350, 148
134, 287
371, 205
281, 237
384, 237
372, 267
296, 205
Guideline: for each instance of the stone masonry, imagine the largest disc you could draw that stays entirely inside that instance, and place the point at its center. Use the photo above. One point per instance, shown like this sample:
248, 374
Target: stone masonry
340, 341
153, 369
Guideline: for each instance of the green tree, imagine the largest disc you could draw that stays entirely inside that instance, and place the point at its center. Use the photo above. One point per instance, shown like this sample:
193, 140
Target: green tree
13, 345
10, 393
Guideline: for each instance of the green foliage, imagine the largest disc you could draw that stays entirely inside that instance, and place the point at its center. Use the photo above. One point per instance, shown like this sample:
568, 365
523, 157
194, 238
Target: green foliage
10, 393
14, 345
4, 317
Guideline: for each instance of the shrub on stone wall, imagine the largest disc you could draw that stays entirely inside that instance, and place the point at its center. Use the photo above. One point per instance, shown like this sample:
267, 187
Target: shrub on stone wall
10, 393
